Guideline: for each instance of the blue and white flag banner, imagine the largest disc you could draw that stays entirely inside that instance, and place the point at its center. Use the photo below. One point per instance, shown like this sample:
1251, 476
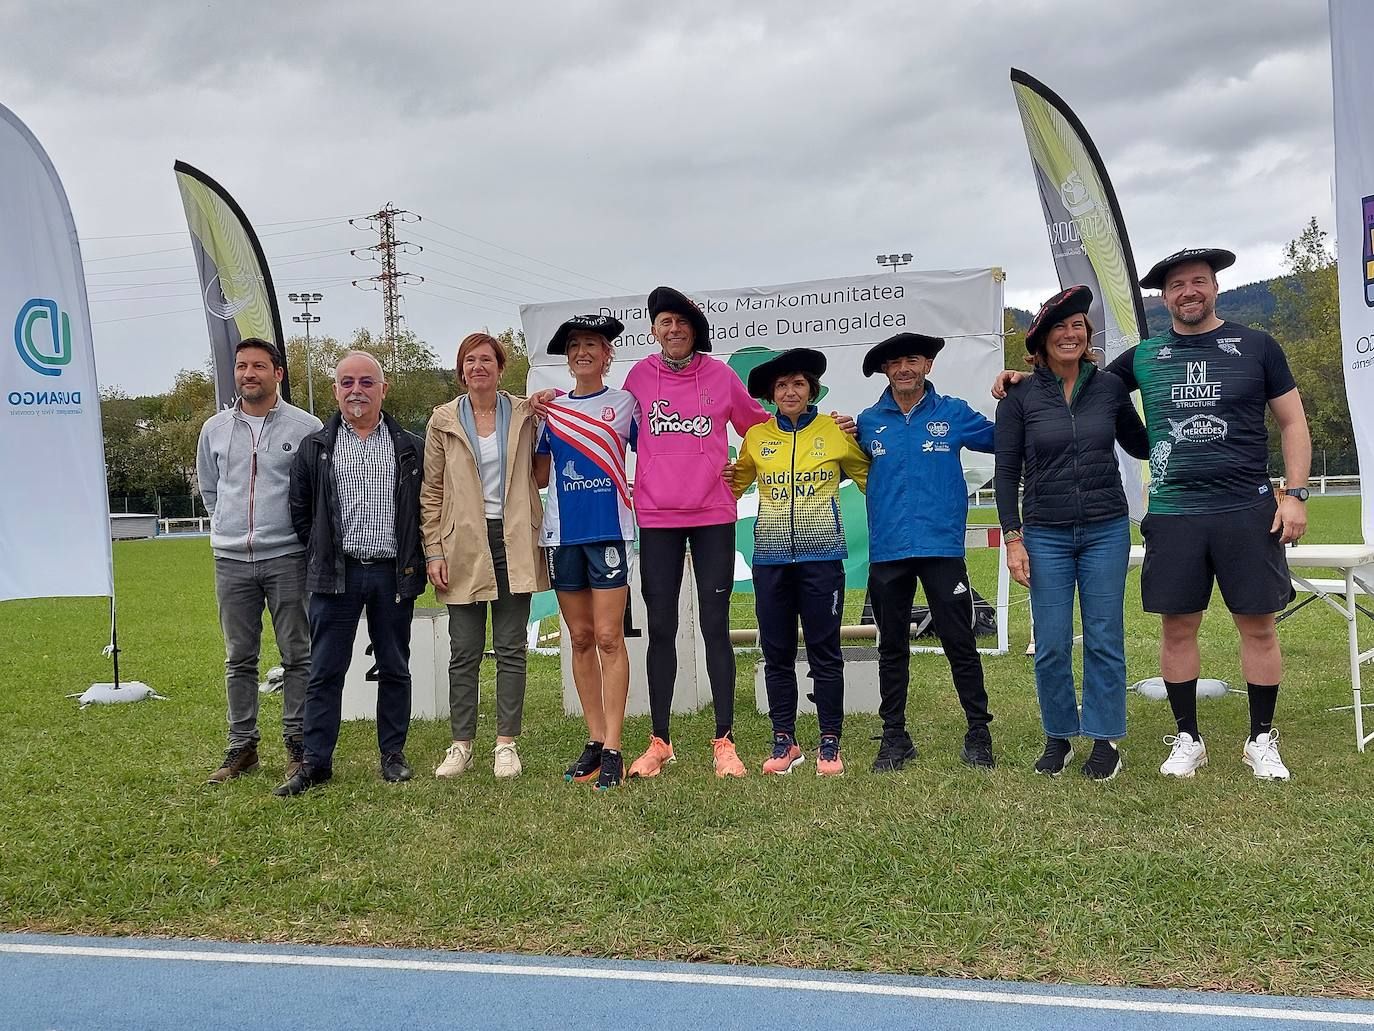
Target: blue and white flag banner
54, 510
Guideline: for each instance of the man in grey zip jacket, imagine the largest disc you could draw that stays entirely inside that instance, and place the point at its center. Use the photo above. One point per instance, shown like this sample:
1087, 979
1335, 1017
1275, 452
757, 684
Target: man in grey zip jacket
243, 466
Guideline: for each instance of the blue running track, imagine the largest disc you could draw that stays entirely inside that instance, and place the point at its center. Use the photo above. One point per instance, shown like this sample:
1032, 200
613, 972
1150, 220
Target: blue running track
50, 983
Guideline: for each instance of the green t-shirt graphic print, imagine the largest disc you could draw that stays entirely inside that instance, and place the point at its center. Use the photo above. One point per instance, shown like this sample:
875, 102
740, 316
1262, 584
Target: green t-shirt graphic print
1204, 397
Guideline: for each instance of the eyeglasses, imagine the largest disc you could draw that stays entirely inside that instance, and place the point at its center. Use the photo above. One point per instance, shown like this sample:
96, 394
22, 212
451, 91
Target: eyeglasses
364, 382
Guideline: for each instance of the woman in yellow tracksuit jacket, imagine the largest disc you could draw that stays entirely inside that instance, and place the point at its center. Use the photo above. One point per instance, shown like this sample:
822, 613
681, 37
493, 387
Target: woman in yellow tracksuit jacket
798, 458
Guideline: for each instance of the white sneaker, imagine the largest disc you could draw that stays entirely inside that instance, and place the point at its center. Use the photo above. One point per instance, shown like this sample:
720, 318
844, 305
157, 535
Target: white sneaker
458, 759
507, 764
1185, 757
1262, 756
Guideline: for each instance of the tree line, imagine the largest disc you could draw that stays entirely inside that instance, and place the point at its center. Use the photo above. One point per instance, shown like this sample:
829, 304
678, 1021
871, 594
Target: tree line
150, 441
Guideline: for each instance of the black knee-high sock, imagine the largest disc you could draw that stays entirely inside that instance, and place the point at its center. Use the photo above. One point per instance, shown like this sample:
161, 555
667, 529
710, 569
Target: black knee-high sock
1183, 701
1263, 699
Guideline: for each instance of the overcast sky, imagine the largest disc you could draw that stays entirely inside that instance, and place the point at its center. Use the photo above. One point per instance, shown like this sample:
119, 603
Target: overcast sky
585, 148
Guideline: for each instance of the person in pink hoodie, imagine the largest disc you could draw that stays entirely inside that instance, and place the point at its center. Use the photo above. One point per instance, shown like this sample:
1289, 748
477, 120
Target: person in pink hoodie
687, 399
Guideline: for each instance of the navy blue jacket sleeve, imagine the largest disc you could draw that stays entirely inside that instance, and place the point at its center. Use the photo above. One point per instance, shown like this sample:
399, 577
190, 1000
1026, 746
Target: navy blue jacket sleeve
1006, 479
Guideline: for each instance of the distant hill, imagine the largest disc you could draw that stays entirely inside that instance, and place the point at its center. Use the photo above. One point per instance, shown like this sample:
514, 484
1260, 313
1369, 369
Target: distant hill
1250, 305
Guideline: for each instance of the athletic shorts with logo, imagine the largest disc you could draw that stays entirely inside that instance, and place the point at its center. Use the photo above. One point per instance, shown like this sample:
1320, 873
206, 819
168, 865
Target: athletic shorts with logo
1184, 554
602, 566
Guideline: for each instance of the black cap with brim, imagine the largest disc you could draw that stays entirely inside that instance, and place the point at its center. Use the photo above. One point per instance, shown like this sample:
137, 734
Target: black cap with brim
601, 325
1217, 258
665, 298
1076, 300
900, 346
798, 359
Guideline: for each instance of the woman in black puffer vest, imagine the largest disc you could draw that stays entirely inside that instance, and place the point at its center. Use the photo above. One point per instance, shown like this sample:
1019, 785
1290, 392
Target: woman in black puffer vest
1056, 432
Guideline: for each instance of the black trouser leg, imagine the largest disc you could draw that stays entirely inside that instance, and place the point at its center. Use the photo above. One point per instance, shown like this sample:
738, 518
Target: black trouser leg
713, 565
388, 625
820, 593
891, 588
662, 553
775, 606
951, 606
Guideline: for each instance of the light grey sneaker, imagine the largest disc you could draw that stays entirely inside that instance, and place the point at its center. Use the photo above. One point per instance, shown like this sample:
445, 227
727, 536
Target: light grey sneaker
1262, 756
1186, 756
507, 761
458, 759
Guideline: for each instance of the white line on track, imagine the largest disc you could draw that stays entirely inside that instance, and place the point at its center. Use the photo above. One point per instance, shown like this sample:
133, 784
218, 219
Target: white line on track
595, 973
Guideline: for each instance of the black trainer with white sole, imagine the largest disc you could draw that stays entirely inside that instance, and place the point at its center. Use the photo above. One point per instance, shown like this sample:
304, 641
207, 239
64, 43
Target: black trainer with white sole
1056, 757
1104, 763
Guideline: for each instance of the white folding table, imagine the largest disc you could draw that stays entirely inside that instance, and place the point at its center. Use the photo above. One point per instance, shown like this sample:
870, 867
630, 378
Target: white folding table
1356, 565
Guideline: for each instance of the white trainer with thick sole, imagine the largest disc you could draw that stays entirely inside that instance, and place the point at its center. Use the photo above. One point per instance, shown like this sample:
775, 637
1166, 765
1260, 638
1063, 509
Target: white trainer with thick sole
1262, 756
1186, 756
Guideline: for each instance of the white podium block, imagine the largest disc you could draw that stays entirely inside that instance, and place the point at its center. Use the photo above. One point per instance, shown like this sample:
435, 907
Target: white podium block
860, 682
429, 653
691, 692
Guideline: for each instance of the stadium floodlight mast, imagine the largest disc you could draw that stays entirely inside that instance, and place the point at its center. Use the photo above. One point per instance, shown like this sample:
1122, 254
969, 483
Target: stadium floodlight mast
305, 301
894, 261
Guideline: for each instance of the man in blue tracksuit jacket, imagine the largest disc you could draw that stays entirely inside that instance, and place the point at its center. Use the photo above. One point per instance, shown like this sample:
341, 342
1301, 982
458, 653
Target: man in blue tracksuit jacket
917, 512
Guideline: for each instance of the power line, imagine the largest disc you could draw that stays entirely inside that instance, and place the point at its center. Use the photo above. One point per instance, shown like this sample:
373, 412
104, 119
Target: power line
145, 297
479, 282
181, 231
530, 257
462, 301
187, 246
577, 291
150, 315
340, 251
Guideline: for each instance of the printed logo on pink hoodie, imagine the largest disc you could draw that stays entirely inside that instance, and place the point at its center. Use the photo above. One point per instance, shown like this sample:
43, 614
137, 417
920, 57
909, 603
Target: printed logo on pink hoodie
683, 418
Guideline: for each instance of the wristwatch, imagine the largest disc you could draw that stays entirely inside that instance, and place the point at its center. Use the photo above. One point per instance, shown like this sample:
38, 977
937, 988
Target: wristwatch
1301, 493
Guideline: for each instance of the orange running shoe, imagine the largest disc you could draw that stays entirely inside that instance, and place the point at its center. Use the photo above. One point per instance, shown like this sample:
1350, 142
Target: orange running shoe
828, 761
651, 763
726, 760
786, 755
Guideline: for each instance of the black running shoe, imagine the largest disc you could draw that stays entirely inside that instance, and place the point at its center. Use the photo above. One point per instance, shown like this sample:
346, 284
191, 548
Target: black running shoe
977, 750
1056, 757
612, 770
895, 752
1104, 763
588, 764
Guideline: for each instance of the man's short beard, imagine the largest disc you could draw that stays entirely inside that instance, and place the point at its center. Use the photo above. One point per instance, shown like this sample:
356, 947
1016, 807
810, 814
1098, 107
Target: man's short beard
1206, 313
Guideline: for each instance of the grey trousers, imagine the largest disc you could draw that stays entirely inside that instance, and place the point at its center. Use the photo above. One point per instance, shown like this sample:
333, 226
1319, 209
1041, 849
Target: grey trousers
467, 633
243, 588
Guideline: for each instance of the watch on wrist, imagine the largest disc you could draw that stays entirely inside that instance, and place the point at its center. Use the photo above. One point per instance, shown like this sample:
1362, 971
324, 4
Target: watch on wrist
1301, 493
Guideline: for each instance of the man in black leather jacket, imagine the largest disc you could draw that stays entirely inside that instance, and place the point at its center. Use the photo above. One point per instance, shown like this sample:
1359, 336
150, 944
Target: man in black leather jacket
355, 504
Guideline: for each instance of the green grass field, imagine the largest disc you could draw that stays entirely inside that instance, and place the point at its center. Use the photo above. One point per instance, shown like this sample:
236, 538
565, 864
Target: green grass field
106, 826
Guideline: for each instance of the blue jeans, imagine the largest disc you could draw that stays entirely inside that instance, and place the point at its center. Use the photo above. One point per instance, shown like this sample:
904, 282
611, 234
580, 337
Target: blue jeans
370, 588
1093, 557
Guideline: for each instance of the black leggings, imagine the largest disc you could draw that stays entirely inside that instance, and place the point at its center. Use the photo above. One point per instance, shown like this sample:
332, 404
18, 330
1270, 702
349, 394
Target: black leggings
662, 554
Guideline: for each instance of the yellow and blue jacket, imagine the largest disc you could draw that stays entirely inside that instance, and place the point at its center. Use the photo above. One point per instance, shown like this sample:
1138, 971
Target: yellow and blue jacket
798, 469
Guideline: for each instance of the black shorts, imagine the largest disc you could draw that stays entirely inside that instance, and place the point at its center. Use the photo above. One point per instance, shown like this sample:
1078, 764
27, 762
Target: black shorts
1185, 553
601, 566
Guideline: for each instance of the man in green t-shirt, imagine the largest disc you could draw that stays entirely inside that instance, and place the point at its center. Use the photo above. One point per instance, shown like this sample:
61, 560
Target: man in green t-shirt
1205, 385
